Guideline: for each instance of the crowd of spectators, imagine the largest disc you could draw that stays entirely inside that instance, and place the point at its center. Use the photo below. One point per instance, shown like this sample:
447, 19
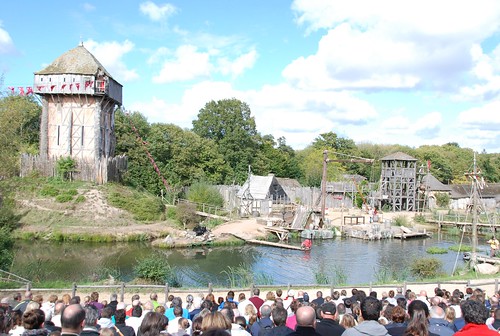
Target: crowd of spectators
292, 313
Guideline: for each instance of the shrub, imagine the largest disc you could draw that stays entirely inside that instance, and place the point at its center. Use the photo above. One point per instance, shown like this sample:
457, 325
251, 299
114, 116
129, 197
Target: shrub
49, 190
63, 198
156, 269
65, 167
436, 250
201, 192
442, 199
6, 245
186, 214
425, 268
419, 219
400, 221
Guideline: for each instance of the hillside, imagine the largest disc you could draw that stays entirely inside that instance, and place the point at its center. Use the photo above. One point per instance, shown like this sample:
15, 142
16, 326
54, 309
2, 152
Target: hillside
80, 210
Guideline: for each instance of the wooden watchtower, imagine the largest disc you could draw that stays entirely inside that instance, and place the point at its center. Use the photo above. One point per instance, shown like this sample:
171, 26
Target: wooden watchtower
79, 98
78, 103
398, 181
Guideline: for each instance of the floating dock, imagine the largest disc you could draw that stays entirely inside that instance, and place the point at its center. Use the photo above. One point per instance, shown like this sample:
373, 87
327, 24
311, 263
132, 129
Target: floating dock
267, 243
407, 233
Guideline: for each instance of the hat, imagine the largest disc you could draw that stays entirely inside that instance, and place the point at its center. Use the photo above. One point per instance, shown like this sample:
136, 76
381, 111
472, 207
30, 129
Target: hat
291, 292
328, 308
5, 300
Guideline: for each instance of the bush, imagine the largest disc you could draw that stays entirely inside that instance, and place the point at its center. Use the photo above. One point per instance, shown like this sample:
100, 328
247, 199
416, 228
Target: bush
142, 206
201, 192
65, 166
63, 198
442, 199
419, 219
6, 245
49, 190
156, 269
425, 268
186, 214
400, 221
460, 248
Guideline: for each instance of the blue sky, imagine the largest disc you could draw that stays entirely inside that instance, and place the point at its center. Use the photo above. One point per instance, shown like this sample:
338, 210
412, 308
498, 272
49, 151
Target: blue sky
385, 71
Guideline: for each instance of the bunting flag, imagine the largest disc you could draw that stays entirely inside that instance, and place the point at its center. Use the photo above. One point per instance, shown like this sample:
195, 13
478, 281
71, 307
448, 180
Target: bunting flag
71, 87
29, 90
11, 89
77, 86
21, 91
40, 87
52, 87
63, 86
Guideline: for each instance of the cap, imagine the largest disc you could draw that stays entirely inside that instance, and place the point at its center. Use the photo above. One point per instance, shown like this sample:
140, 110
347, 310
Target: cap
328, 308
291, 292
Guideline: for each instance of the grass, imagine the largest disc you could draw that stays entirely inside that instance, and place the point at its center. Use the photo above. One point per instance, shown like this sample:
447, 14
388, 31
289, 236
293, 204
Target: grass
85, 237
436, 250
401, 221
143, 206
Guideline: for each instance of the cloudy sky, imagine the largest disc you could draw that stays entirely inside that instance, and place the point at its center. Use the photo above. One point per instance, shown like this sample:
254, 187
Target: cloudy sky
384, 71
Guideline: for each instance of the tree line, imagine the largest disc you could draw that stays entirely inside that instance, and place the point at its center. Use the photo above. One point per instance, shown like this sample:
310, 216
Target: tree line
224, 144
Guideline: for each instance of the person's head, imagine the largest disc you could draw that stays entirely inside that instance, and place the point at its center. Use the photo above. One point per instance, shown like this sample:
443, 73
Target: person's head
228, 313
207, 304
66, 298
215, 332
250, 310
306, 316
215, 320
373, 294
120, 316
419, 313
28, 295
107, 332
153, 297
148, 306
94, 297
33, 319
319, 294
189, 299
137, 311
437, 312
391, 293
160, 309
265, 311
279, 316
279, 292
183, 323
241, 297
401, 301
348, 321
474, 312
497, 314
113, 297
256, 292
177, 311
240, 320
32, 305
135, 297
91, 316
230, 295
341, 309
398, 314
153, 324
294, 305
196, 327
177, 301
370, 309
75, 299
450, 314
328, 311
107, 312
270, 296
38, 299
72, 318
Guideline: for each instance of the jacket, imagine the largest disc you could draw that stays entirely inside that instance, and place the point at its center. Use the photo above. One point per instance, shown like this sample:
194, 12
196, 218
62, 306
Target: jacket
372, 328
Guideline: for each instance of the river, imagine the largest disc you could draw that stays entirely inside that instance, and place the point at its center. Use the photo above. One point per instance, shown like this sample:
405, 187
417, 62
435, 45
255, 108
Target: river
360, 261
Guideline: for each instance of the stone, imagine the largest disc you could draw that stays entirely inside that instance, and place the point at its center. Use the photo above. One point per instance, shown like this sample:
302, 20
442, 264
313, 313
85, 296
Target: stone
487, 269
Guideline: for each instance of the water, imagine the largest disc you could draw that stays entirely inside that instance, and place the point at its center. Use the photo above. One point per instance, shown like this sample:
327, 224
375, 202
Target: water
360, 260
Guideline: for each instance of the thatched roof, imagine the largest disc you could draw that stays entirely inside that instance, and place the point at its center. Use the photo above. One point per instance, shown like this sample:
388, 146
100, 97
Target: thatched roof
399, 156
288, 182
77, 61
490, 190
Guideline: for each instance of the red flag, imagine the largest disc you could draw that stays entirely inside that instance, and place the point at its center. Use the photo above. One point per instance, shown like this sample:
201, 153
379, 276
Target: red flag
77, 86
29, 90
71, 87
52, 87
40, 87
63, 86
21, 91
428, 164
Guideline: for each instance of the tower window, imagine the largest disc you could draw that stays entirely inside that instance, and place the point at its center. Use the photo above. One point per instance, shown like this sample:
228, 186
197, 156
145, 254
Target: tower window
83, 128
58, 134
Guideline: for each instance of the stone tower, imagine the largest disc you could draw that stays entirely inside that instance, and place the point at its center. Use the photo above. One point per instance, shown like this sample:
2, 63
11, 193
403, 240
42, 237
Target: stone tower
398, 181
79, 98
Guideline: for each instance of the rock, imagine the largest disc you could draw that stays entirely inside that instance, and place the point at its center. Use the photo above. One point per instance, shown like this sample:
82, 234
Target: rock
487, 269
168, 240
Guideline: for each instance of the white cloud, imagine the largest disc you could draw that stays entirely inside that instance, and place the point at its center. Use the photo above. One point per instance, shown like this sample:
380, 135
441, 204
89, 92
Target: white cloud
486, 117
239, 65
157, 12
6, 43
391, 43
187, 64
110, 54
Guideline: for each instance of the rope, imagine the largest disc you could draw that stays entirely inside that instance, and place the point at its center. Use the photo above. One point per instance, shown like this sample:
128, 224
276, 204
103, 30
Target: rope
151, 159
458, 252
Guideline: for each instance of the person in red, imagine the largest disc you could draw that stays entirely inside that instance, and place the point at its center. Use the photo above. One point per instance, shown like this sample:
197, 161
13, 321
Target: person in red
306, 244
475, 315
256, 300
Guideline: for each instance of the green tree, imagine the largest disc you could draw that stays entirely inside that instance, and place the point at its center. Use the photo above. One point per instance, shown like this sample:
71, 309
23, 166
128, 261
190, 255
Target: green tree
229, 124
311, 164
201, 192
19, 131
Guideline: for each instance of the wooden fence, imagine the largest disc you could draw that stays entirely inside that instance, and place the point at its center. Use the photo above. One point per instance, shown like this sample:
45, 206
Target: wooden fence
167, 290
99, 171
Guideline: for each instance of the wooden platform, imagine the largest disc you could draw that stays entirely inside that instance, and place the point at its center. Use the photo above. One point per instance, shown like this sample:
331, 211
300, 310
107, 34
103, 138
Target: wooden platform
263, 242
407, 233
280, 232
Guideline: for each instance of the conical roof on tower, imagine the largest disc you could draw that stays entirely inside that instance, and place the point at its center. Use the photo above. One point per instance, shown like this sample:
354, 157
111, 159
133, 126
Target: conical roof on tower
78, 61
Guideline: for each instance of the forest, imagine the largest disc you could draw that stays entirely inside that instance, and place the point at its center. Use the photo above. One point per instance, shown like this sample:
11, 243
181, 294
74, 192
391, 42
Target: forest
224, 144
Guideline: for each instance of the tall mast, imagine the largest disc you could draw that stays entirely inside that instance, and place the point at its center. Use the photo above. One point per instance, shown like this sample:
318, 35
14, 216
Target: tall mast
474, 214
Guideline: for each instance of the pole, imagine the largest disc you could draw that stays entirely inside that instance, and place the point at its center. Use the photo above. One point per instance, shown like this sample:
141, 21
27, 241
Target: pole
323, 185
473, 258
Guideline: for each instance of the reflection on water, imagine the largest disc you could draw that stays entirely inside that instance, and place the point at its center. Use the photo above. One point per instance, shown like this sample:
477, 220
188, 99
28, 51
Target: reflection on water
360, 260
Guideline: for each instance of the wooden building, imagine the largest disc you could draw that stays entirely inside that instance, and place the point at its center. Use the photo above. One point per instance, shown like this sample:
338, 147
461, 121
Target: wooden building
79, 98
398, 182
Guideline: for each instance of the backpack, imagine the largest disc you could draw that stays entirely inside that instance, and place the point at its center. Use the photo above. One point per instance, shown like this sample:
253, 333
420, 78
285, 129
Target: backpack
263, 330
